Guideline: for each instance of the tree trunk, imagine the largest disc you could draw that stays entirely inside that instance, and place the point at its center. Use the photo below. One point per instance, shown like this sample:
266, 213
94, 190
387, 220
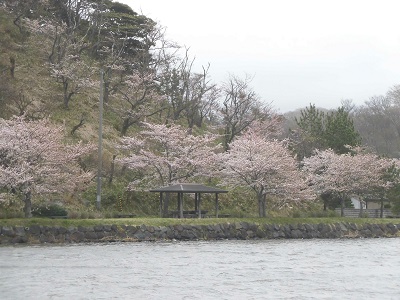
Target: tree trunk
342, 206
80, 124
262, 206
110, 179
66, 100
12, 67
28, 205
166, 203
361, 209
125, 125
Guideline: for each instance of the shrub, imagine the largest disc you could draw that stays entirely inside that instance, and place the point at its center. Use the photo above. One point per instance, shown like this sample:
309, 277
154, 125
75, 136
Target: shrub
49, 211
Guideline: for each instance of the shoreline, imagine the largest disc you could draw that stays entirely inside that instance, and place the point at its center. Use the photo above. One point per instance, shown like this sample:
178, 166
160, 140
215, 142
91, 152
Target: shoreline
41, 234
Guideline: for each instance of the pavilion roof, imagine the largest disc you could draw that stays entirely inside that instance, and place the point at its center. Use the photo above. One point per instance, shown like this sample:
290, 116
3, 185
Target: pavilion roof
189, 188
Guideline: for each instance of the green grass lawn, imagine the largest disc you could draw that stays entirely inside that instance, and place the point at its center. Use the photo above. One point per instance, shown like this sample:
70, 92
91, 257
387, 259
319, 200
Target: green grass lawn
170, 221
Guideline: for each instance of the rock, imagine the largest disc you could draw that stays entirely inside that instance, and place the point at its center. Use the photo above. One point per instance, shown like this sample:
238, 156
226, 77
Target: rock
98, 228
8, 231
19, 231
295, 234
107, 228
178, 228
91, 235
62, 230
77, 237
343, 227
35, 229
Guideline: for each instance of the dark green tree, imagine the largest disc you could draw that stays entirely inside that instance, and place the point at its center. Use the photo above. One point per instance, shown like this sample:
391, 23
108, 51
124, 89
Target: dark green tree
310, 134
319, 130
394, 199
340, 131
119, 30
332, 201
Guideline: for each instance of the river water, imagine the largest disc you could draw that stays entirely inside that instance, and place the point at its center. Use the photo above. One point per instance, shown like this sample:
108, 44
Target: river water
265, 269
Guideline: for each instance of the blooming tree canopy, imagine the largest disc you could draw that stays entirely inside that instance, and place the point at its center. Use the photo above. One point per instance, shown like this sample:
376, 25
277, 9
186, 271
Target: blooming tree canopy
65, 61
137, 99
168, 154
263, 166
345, 174
34, 160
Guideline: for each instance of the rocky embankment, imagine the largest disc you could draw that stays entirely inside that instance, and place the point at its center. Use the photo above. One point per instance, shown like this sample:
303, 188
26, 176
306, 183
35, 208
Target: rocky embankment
36, 234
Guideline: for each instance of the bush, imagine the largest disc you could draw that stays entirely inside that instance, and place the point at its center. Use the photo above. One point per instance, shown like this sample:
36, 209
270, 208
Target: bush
10, 206
9, 214
51, 210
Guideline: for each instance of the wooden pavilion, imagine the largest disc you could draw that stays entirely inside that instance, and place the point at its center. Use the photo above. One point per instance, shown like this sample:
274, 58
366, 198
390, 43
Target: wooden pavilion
186, 188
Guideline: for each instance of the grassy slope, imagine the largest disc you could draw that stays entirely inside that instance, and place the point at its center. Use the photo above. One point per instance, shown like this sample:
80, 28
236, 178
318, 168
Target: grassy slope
32, 79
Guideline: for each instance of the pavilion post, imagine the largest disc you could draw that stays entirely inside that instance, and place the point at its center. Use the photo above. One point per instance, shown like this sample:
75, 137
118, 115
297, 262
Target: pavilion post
196, 198
216, 205
199, 205
161, 204
180, 205
165, 204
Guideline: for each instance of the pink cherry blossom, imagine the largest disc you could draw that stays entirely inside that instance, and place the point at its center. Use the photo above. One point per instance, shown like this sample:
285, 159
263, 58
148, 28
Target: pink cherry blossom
168, 154
34, 160
265, 167
346, 174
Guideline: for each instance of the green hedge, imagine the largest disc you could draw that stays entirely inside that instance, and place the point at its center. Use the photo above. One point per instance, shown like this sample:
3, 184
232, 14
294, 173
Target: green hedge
49, 211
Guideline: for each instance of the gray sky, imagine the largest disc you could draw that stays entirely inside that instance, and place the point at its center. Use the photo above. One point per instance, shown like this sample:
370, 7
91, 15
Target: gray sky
299, 52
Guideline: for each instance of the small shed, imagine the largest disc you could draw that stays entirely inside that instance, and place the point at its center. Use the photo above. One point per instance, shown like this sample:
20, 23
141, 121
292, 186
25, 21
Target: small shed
187, 188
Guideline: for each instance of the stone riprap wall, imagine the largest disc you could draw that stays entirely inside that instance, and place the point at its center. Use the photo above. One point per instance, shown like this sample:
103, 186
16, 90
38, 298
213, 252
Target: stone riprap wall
36, 234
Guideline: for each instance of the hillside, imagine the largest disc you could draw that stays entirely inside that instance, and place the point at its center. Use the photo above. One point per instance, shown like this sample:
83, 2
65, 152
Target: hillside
34, 84
31, 89
53, 52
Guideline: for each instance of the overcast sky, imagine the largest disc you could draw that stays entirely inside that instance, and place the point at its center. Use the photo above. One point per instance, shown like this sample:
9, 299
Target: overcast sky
298, 51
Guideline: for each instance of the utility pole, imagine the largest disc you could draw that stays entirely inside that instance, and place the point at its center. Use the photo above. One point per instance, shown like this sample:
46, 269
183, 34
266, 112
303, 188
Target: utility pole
100, 156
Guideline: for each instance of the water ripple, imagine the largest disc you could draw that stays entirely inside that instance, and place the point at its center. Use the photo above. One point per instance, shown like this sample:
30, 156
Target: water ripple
277, 269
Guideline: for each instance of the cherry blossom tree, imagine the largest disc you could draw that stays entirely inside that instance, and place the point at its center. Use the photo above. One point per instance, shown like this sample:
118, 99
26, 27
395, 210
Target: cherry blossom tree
265, 167
34, 160
346, 174
137, 99
67, 62
74, 76
168, 154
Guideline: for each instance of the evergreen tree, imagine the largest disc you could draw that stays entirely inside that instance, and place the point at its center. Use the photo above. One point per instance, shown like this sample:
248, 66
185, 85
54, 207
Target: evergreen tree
311, 132
320, 131
340, 131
